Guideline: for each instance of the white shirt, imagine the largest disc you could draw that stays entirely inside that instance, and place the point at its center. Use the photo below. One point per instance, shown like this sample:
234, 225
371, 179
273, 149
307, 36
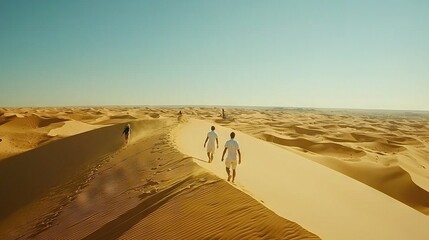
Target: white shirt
212, 138
232, 147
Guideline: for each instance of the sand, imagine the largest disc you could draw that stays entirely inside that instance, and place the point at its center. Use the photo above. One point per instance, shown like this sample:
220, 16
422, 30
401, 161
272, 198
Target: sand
83, 183
316, 197
306, 173
387, 150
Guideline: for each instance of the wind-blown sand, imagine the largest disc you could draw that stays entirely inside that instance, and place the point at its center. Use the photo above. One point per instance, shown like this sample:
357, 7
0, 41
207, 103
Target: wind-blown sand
336, 174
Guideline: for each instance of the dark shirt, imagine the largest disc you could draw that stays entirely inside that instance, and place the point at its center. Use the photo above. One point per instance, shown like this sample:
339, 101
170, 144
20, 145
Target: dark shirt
126, 130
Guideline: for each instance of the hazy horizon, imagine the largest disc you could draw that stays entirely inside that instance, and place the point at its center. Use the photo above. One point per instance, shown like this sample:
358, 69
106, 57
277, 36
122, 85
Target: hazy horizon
218, 106
339, 54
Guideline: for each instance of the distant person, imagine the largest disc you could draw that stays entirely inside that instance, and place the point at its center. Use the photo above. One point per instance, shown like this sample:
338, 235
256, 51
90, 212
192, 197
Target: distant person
231, 160
127, 132
179, 117
211, 138
223, 113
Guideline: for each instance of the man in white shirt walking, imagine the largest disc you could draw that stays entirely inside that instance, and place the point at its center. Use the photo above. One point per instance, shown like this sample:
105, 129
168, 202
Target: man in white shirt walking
211, 138
231, 159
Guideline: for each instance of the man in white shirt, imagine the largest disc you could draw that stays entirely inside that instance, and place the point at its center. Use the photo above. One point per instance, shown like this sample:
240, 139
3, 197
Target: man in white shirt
231, 159
211, 137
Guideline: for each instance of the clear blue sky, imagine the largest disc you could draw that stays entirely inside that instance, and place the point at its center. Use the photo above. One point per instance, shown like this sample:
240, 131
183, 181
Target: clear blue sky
347, 54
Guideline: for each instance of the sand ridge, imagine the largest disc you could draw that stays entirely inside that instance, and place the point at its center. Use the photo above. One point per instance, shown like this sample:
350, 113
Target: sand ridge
88, 185
150, 181
304, 191
23, 129
348, 141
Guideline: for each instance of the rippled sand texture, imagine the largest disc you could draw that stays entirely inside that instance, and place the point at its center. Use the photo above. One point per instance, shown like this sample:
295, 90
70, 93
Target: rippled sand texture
388, 150
65, 173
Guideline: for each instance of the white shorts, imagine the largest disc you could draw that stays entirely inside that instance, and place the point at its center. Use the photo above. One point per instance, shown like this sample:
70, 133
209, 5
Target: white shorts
210, 149
231, 164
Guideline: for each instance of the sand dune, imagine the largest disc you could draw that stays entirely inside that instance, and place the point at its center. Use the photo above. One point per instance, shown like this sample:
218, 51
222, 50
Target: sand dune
24, 132
330, 149
314, 196
24, 129
363, 137
71, 128
39, 169
307, 131
384, 148
228, 216
154, 115
86, 185
404, 141
349, 137
61, 168
30, 122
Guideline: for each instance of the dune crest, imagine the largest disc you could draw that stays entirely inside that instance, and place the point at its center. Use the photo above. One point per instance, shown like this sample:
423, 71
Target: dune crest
289, 183
72, 128
151, 190
348, 138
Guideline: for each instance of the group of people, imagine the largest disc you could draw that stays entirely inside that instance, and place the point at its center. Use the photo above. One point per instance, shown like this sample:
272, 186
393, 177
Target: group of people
231, 146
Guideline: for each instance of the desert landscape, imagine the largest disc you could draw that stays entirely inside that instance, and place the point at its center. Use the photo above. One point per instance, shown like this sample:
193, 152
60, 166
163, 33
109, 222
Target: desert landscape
110, 114
387, 150
66, 173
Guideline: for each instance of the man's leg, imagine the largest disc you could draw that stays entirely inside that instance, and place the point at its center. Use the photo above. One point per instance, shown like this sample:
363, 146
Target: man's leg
208, 155
229, 175
233, 175
211, 157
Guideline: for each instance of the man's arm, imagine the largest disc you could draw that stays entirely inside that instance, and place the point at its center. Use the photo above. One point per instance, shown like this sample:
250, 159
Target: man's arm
223, 154
217, 141
239, 156
207, 138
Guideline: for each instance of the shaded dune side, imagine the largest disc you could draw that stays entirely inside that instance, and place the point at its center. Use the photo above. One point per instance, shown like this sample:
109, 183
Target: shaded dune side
165, 195
384, 147
343, 137
214, 211
125, 116
331, 149
224, 121
404, 141
4, 119
364, 137
307, 131
29, 122
19, 142
393, 181
154, 115
22, 133
27, 176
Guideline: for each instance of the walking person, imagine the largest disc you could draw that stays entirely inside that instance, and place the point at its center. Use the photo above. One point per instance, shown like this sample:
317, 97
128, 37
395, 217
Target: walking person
127, 132
231, 159
180, 115
211, 138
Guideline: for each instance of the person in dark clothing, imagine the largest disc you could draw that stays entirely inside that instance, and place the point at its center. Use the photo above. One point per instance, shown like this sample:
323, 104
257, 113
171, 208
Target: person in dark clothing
127, 132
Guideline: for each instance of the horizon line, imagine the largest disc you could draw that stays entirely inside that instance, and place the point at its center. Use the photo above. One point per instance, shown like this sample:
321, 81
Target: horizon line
221, 106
